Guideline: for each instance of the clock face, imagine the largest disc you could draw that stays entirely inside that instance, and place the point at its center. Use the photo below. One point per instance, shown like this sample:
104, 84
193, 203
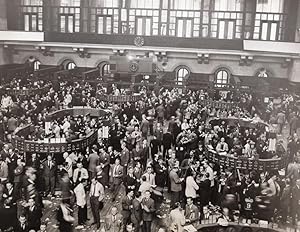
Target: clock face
133, 66
139, 41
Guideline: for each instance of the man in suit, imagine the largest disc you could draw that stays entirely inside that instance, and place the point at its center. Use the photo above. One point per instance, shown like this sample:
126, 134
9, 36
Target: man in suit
104, 162
124, 156
3, 170
144, 153
136, 212
176, 185
18, 179
34, 215
49, 171
295, 202
12, 164
148, 210
127, 206
116, 174
80, 175
22, 225
12, 124
130, 181
144, 126
192, 214
167, 142
96, 200
93, 162
114, 221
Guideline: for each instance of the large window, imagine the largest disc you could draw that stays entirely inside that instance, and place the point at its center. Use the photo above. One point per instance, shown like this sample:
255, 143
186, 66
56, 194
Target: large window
150, 4
32, 15
144, 26
226, 29
69, 16
185, 4
184, 27
181, 75
105, 3
222, 78
104, 24
269, 30
270, 20
229, 5
270, 6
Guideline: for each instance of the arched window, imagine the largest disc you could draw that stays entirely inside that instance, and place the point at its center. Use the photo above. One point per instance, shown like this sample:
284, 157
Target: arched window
105, 69
36, 65
181, 74
262, 73
222, 78
69, 65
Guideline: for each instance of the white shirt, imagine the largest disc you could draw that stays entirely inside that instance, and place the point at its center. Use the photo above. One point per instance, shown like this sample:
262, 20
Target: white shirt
97, 190
80, 195
191, 187
69, 166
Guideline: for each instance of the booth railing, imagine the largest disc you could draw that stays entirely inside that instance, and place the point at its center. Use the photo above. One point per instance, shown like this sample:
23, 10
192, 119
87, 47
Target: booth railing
246, 163
121, 98
59, 145
25, 92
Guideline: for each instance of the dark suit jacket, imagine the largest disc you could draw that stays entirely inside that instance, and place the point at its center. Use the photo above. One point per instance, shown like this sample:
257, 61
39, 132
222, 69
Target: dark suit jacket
34, 218
34, 163
148, 216
18, 228
136, 212
192, 214
126, 203
130, 182
47, 172
18, 174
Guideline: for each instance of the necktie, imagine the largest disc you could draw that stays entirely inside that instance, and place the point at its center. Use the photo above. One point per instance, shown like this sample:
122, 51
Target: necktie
115, 172
114, 218
94, 192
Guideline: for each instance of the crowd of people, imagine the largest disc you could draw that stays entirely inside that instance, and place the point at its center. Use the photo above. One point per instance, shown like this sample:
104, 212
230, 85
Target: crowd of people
157, 153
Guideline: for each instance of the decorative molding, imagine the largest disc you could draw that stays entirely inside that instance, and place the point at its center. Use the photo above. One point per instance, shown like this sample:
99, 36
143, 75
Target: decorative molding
10, 49
119, 52
82, 52
286, 63
44, 50
161, 57
203, 58
246, 60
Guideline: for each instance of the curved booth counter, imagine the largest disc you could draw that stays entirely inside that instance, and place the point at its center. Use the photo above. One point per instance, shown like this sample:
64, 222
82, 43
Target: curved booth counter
59, 145
236, 227
244, 163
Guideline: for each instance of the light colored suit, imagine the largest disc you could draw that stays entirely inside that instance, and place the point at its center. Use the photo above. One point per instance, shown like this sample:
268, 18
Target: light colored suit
114, 223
